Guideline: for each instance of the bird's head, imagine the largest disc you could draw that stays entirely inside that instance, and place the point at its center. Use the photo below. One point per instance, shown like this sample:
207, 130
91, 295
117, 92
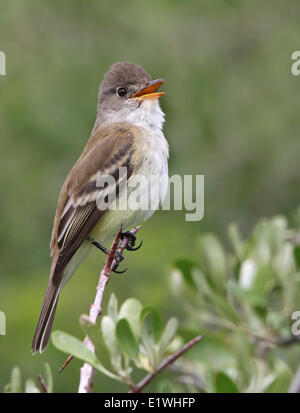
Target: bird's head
128, 94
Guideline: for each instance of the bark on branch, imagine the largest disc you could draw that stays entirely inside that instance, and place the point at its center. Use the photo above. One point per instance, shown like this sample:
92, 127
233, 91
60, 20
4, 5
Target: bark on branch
87, 371
164, 364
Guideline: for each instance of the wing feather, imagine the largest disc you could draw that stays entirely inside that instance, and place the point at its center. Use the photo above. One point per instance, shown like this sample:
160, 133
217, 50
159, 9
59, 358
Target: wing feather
80, 213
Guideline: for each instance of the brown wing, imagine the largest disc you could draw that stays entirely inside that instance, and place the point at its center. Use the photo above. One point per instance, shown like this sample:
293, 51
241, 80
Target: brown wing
79, 213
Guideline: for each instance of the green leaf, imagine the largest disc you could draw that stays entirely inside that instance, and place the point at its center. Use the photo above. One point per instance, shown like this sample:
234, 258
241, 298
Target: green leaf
168, 335
254, 298
297, 255
264, 278
148, 340
16, 380
48, 378
284, 262
71, 345
224, 384
31, 387
126, 339
236, 241
213, 259
281, 383
268, 237
186, 266
93, 332
108, 328
155, 322
131, 311
112, 308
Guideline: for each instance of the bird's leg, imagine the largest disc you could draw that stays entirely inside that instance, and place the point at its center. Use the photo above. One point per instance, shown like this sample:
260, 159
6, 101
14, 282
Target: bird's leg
131, 243
118, 256
98, 245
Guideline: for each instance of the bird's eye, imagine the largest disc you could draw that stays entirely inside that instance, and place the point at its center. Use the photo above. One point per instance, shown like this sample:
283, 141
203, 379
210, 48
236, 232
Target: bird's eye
121, 91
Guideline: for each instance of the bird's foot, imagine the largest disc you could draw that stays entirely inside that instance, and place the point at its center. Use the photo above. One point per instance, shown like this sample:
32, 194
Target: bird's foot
118, 256
132, 239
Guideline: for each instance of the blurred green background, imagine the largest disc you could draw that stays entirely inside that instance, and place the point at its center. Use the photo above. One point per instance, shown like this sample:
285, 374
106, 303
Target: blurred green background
232, 114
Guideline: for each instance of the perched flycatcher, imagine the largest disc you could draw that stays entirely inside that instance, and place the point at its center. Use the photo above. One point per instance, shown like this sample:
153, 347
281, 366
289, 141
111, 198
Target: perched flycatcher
127, 134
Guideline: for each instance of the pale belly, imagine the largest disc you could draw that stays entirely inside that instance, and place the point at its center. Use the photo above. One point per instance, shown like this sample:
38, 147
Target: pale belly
146, 189
154, 164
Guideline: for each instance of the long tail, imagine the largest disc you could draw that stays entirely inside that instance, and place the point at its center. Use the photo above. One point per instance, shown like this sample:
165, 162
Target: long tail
44, 325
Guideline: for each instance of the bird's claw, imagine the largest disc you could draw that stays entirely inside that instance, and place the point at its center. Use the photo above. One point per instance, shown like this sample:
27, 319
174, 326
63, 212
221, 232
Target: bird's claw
118, 258
119, 272
131, 241
131, 248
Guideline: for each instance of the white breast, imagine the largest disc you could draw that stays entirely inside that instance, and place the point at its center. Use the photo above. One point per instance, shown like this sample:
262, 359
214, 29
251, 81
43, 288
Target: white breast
153, 153
153, 172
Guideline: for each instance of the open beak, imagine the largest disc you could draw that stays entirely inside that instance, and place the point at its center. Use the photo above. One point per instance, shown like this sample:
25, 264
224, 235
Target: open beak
149, 92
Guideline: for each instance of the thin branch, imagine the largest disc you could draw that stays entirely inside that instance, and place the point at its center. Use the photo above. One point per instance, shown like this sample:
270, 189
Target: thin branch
42, 383
68, 360
87, 371
288, 341
169, 360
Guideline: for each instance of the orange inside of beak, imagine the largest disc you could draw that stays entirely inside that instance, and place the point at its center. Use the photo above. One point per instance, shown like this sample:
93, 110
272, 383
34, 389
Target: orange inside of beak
149, 92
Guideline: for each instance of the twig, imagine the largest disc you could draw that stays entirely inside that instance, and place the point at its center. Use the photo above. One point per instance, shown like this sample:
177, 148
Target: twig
42, 383
87, 371
285, 342
169, 360
68, 360
121, 248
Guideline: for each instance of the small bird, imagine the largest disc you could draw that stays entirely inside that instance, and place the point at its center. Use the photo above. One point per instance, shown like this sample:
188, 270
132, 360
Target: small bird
127, 134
